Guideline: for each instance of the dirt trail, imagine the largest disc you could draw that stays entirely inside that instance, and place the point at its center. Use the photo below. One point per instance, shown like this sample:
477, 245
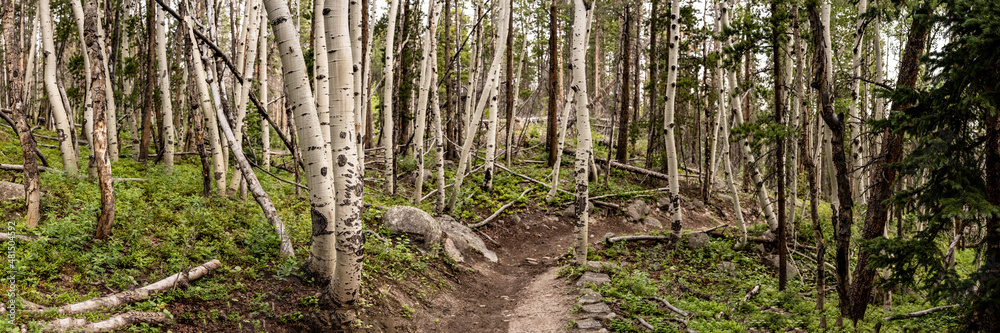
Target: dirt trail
522, 292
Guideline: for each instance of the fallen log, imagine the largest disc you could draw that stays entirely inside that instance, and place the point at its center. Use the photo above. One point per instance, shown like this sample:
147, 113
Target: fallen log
18, 167
502, 208
645, 324
6, 237
828, 265
920, 313
637, 238
114, 323
536, 181
671, 307
750, 294
634, 169
630, 193
131, 296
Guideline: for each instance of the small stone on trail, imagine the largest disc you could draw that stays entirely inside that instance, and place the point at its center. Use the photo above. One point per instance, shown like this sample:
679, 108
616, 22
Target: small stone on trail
588, 323
10, 191
697, 241
596, 308
607, 237
593, 278
653, 222
636, 210
532, 261
590, 297
601, 266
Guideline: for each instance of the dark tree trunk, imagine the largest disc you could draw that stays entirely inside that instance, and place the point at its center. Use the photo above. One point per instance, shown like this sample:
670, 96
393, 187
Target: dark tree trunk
844, 214
196, 119
12, 32
510, 86
621, 150
882, 174
777, 29
147, 108
449, 88
654, 110
551, 137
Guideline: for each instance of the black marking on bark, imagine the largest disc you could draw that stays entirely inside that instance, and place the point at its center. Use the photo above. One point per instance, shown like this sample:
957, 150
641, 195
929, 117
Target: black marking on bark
279, 20
341, 160
322, 171
319, 223
343, 135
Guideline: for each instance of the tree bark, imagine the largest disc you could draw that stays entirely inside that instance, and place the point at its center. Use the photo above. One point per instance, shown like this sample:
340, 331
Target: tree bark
59, 112
165, 104
883, 175
112, 126
668, 120
150, 74
583, 143
425, 86
777, 28
553, 100
844, 214
621, 150
12, 53
88, 114
511, 87
106, 217
265, 130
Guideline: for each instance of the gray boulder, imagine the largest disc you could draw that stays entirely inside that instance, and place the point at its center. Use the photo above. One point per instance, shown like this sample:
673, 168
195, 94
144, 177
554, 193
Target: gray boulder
10, 191
772, 262
452, 252
422, 229
637, 210
589, 278
653, 222
464, 239
570, 211
697, 241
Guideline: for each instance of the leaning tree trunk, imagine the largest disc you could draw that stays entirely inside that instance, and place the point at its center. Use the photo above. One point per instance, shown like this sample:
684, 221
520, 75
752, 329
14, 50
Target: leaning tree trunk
112, 125
561, 142
477, 114
165, 104
205, 98
734, 106
439, 136
425, 84
59, 112
885, 175
583, 144
674, 209
387, 124
491, 124
346, 170
106, 217
15, 86
844, 214
245, 60
322, 255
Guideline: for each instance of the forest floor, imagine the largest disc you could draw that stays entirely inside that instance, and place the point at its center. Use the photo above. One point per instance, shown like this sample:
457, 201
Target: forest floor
164, 225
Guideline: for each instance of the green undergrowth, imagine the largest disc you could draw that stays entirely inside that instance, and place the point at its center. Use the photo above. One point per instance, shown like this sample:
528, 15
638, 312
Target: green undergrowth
693, 280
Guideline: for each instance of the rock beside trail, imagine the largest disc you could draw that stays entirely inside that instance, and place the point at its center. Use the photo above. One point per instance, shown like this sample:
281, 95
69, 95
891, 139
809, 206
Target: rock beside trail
601, 266
772, 262
452, 252
10, 191
652, 222
593, 278
697, 241
422, 229
588, 323
464, 239
637, 210
727, 267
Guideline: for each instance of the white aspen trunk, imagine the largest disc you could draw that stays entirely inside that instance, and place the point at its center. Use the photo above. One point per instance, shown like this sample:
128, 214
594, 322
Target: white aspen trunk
879, 77
366, 95
387, 136
109, 94
733, 97
439, 138
246, 57
59, 111
265, 127
205, 103
674, 209
425, 83
88, 113
491, 136
827, 145
857, 148
347, 172
354, 15
721, 89
477, 114
762, 192
563, 128
164, 83
583, 139
322, 255
321, 77
219, 145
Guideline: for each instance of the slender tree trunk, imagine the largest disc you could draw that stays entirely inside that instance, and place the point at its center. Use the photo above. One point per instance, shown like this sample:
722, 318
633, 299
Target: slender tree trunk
321, 76
12, 52
88, 113
387, 97
550, 134
621, 151
425, 85
654, 76
563, 128
477, 114
150, 71
511, 87
357, 25
265, 128
583, 144
165, 104
322, 255
112, 114
439, 134
733, 100
246, 55
777, 41
106, 217
674, 209
883, 174
844, 214
59, 112
857, 149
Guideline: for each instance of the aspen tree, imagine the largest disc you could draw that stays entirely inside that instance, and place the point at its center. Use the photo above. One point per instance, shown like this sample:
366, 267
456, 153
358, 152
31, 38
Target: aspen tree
106, 216
109, 94
425, 85
734, 104
358, 55
387, 124
164, 83
583, 140
857, 149
322, 255
265, 127
673, 209
246, 55
12, 59
88, 114
58, 110
321, 76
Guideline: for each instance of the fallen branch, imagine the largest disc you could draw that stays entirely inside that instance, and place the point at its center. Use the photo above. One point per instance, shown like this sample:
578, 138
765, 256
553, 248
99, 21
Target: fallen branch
502, 208
132, 296
5, 237
637, 238
18, 167
920, 313
709, 229
645, 324
629, 193
536, 181
111, 324
828, 265
634, 169
276, 176
671, 307
128, 179
750, 294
